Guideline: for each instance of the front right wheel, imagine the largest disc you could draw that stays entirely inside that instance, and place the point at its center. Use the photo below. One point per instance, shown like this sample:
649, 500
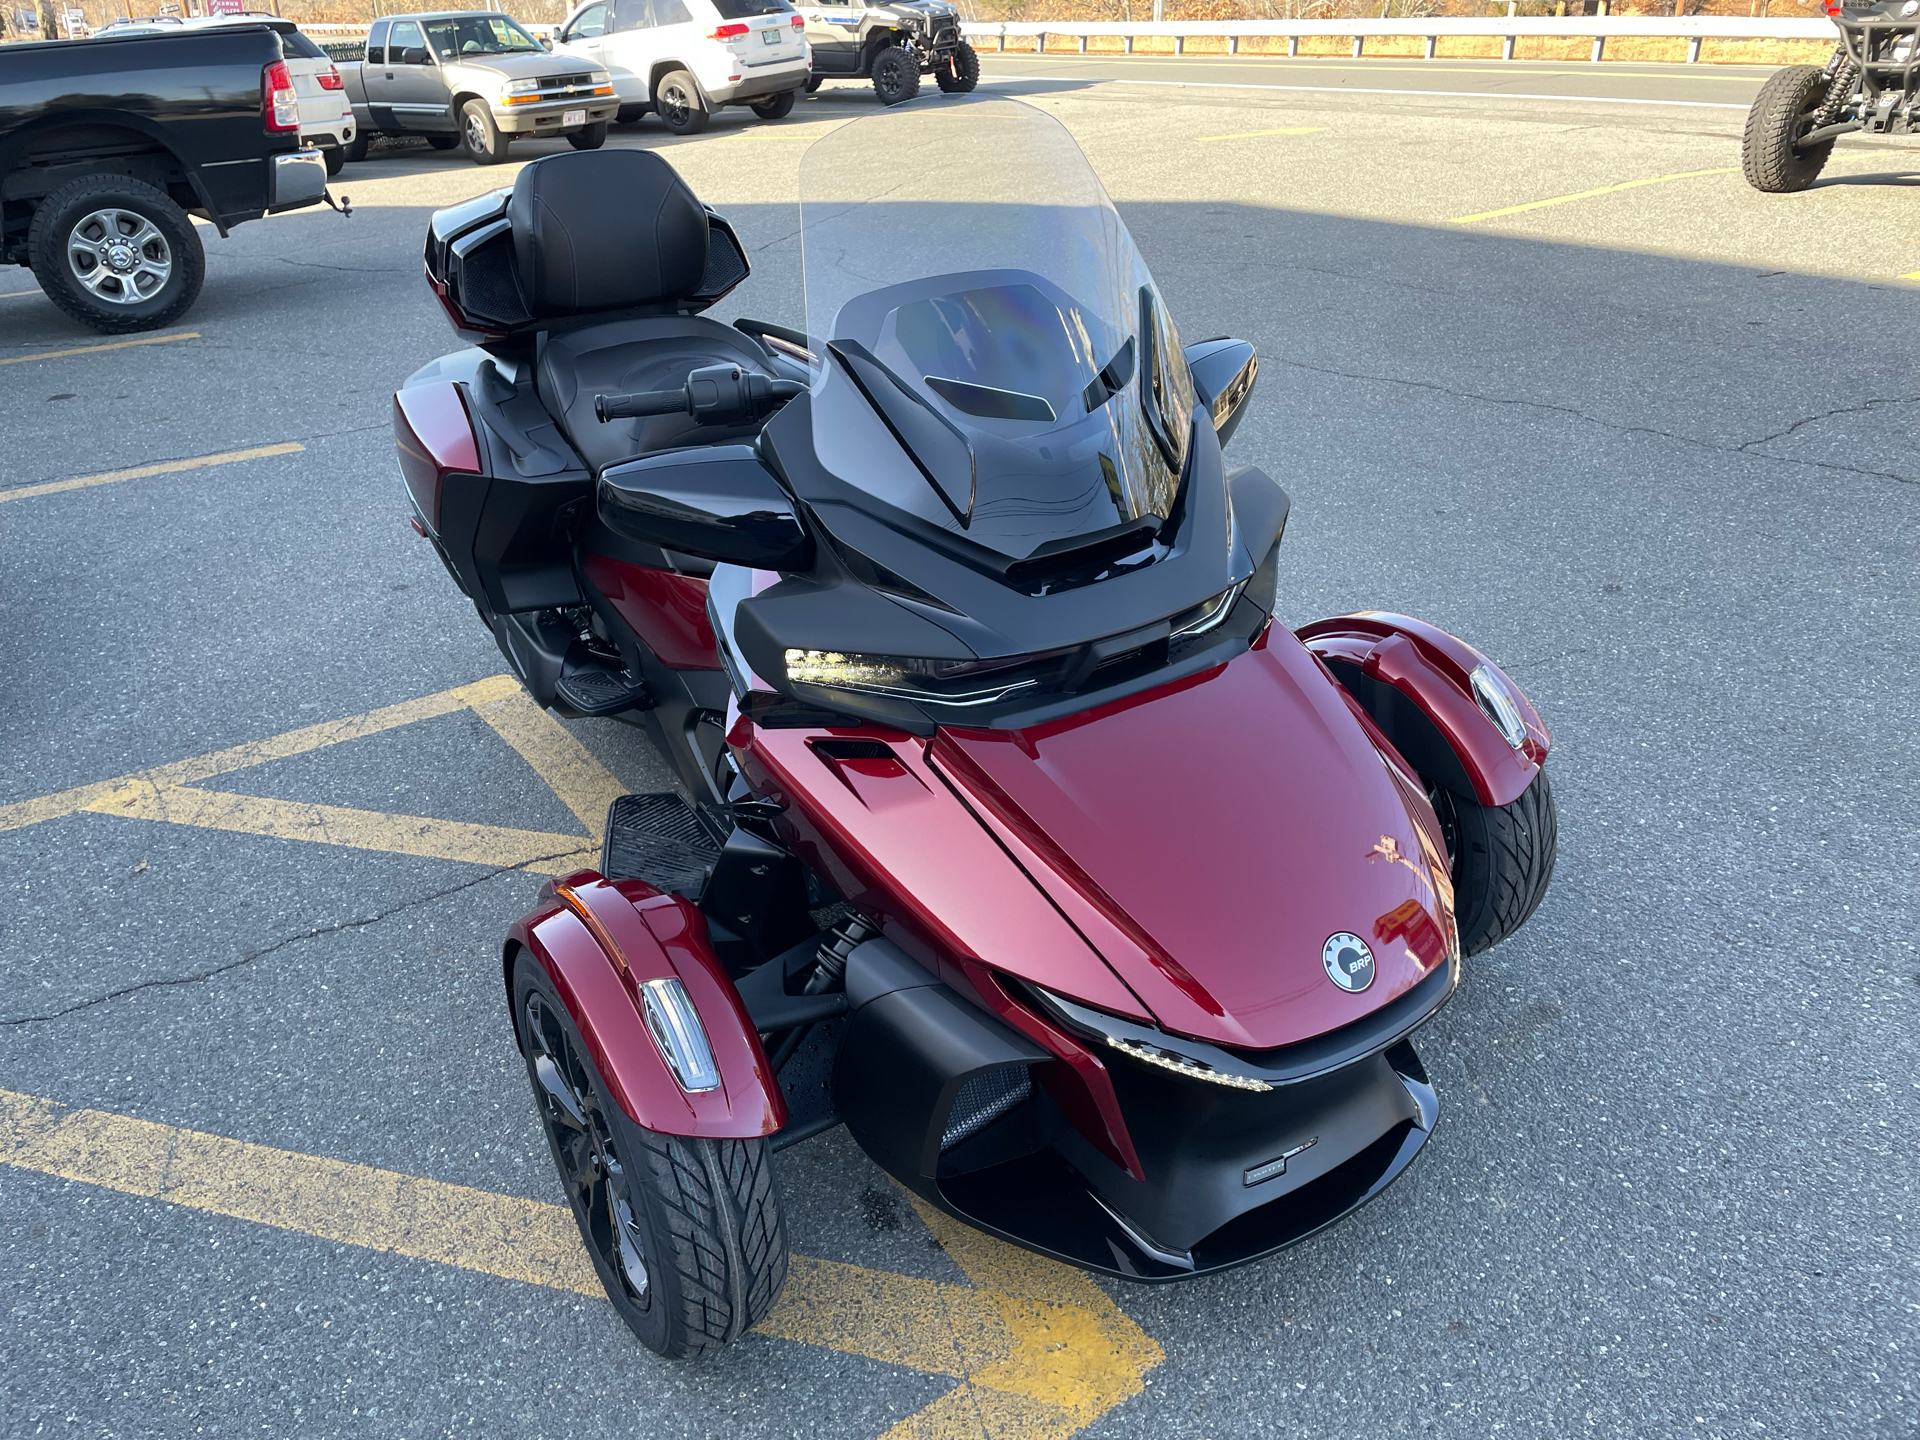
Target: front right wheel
685, 1234
958, 71
1771, 155
1501, 857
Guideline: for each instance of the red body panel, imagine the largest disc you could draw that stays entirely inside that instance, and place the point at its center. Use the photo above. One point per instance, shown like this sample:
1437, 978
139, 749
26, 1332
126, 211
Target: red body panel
1433, 669
666, 610
435, 438
599, 940
1224, 827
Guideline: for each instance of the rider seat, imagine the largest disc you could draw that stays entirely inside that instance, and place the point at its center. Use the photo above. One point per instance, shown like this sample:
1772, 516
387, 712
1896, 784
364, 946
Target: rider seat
602, 231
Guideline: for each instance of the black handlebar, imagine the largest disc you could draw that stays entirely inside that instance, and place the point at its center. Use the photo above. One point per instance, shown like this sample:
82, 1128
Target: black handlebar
713, 395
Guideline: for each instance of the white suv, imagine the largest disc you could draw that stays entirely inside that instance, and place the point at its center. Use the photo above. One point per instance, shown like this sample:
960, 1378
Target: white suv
326, 117
684, 59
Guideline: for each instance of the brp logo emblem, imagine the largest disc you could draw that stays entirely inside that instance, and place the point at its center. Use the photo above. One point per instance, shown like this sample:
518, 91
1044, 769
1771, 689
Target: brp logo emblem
1349, 962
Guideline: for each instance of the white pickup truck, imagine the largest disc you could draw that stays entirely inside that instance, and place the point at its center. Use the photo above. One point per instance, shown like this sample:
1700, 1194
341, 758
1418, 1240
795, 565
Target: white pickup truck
472, 78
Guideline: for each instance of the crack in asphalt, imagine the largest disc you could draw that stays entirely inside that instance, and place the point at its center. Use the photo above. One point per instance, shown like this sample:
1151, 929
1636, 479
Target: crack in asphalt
250, 957
1745, 448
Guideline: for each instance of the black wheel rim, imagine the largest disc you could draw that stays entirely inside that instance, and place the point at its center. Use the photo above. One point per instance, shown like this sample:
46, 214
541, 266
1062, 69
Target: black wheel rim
590, 1167
674, 106
1449, 818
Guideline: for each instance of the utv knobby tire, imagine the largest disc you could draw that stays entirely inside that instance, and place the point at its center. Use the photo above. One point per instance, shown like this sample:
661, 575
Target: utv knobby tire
896, 75
55, 231
958, 71
1782, 112
706, 1211
1502, 860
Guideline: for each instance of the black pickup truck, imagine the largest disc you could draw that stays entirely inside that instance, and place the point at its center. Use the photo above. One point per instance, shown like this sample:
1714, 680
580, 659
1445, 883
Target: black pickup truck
107, 146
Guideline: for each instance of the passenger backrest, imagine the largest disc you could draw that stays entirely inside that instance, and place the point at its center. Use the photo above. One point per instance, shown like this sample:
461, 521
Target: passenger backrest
605, 230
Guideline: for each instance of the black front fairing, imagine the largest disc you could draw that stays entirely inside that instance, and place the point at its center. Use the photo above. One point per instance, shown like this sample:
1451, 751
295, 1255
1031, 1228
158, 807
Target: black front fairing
1019, 504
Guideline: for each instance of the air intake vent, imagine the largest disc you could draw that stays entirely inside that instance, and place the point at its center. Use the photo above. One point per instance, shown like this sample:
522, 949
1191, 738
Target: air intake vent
983, 1100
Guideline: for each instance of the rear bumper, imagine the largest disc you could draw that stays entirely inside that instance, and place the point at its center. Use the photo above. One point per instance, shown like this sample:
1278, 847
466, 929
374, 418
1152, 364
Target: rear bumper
296, 179
758, 83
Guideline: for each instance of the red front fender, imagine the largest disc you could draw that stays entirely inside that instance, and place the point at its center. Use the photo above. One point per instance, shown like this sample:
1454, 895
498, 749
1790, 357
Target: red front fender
599, 941
1415, 681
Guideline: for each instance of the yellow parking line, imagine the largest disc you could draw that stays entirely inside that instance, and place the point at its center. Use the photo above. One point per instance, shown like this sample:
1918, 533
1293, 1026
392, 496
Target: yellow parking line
16, 294
141, 472
96, 349
1256, 134
259, 752
541, 852
1588, 194
582, 783
1911, 275
1039, 1350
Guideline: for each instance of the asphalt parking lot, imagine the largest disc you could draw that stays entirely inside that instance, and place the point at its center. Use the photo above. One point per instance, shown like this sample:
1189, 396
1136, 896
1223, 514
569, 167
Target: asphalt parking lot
1542, 371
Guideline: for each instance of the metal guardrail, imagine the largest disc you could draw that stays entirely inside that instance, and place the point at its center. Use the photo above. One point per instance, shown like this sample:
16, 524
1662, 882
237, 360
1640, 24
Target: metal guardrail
1599, 28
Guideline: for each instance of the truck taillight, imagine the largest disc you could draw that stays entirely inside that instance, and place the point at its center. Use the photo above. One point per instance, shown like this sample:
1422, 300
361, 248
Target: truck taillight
279, 101
329, 79
435, 439
726, 32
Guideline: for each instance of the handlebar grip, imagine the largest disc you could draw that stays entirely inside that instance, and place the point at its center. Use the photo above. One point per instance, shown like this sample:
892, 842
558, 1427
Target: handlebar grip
640, 402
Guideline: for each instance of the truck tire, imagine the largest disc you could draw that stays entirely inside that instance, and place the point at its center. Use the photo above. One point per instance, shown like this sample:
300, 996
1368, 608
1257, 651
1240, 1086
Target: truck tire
685, 1234
776, 107
335, 157
590, 137
896, 75
116, 254
958, 71
356, 149
1502, 860
813, 83
680, 105
443, 142
1783, 111
479, 136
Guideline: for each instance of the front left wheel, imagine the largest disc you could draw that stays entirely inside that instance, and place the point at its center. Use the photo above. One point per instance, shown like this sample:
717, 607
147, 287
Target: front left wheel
1501, 857
483, 140
1771, 155
680, 105
958, 71
115, 254
685, 1234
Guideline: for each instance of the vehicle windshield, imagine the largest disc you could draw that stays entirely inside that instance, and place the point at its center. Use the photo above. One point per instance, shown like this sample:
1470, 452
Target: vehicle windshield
991, 355
466, 35
742, 9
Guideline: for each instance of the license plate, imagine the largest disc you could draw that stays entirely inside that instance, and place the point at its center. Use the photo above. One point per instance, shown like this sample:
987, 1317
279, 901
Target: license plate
574, 117
771, 37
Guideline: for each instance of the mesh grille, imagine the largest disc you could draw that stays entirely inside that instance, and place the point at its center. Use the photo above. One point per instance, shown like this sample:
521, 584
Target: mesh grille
983, 1100
489, 289
726, 266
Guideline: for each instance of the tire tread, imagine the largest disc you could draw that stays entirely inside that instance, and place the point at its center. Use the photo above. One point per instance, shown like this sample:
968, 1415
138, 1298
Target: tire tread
1767, 155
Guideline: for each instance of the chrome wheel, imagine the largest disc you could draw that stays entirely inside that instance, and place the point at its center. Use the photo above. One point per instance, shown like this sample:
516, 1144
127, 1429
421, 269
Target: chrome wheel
582, 1141
478, 140
119, 256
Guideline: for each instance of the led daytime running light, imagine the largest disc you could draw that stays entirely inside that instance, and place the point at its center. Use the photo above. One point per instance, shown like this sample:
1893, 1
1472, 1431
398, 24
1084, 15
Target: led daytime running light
1495, 698
1192, 1069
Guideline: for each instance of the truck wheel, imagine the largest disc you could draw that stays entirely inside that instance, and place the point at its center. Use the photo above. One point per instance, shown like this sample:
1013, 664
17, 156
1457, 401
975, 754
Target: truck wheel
958, 71
115, 254
813, 83
775, 107
479, 136
681, 106
685, 1234
1782, 112
335, 157
630, 115
1502, 858
896, 75
356, 148
443, 142
592, 137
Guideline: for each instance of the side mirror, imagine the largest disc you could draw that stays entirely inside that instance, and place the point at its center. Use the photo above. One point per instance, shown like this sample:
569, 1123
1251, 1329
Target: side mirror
546, 42
414, 55
718, 502
1223, 375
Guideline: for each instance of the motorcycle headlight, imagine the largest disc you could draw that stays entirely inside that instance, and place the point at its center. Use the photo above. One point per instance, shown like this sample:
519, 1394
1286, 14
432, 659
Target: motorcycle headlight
942, 682
1191, 1058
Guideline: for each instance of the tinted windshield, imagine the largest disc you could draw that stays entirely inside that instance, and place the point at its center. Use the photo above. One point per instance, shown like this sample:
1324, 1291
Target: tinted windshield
993, 355
478, 35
